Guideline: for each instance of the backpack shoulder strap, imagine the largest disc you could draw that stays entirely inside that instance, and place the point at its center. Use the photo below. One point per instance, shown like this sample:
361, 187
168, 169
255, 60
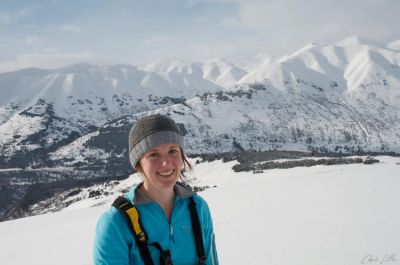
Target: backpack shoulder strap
132, 216
197, 232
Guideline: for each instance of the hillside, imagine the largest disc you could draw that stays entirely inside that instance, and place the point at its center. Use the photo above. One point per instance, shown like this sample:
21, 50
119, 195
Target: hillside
68, 127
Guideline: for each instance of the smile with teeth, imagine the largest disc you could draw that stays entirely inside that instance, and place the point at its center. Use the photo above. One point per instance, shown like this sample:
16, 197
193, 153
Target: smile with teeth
166, 173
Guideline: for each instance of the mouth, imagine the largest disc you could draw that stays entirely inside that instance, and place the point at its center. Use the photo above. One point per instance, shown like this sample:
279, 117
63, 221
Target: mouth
166, 173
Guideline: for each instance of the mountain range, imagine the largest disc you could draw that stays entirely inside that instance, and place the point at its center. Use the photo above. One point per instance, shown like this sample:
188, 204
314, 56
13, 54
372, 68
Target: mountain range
341, 97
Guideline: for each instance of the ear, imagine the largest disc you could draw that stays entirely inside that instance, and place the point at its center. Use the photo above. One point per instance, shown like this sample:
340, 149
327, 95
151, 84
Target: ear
139, 168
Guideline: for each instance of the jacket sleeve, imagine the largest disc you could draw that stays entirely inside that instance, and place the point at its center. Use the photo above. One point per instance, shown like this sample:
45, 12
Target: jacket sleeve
111, 247
208, 234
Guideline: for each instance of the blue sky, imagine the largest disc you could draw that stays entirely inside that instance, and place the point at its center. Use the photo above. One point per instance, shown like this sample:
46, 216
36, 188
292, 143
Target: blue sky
54, 33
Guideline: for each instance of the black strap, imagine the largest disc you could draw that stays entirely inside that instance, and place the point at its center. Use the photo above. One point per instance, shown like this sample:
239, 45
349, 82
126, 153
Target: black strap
165, 256
124, 205
197, 232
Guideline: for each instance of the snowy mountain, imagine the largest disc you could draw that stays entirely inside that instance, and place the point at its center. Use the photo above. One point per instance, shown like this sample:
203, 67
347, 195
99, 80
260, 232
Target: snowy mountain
49, 108
217, 71
343, 97
394, 45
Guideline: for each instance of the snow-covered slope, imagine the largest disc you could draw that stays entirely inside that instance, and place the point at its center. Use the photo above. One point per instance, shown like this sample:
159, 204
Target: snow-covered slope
70, 102
217, 71
321, 215
395, 45
354, 66
94, 93
343, 97
260, 117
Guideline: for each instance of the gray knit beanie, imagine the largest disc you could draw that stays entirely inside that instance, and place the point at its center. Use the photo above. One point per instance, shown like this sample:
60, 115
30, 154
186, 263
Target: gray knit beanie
151, 131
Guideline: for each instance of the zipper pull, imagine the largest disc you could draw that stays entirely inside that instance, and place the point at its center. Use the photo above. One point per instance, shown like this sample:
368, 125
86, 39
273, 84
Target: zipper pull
171, 233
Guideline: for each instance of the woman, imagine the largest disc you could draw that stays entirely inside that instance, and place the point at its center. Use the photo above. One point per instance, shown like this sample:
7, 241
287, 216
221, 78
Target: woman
167, 232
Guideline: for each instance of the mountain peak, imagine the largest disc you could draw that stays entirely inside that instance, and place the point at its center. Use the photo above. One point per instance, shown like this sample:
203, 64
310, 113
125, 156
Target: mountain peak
394, 45
166, 65
324, 96
306, 48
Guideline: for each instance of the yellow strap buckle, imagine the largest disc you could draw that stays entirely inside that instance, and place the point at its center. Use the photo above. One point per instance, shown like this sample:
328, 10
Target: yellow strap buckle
134, 216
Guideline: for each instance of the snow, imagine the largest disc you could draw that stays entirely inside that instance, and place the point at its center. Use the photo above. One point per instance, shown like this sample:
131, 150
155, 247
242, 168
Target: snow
319, 90
61, 238
19, 127
394, 45
217, 71
320, 215
167, 65
78, 151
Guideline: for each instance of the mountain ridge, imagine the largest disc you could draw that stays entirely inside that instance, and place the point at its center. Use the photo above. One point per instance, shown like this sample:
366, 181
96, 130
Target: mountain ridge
358, 73
69, 126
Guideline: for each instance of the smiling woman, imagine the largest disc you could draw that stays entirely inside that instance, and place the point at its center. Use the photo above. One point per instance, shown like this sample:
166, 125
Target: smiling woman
160, 221
161, 167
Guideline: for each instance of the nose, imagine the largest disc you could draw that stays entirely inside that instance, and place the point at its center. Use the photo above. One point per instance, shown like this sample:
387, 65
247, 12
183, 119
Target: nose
165, 160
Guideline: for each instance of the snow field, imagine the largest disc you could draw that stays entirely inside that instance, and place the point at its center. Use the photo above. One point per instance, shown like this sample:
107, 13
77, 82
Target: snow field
322, 215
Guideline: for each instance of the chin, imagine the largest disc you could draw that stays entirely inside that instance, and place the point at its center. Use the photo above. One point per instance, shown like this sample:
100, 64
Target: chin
168, 182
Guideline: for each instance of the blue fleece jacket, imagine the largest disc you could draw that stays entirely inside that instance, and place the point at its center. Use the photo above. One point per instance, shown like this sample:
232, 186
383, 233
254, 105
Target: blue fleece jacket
115, 245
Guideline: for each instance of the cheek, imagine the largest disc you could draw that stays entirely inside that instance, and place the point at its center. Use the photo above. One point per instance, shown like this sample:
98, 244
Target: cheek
144, 167
148, 167
179, 162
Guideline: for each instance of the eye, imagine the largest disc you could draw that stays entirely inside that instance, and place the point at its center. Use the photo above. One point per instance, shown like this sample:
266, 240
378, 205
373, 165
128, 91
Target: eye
173, 151
153, 155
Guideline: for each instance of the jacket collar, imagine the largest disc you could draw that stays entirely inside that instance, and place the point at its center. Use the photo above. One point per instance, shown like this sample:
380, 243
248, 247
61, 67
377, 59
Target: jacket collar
182, 190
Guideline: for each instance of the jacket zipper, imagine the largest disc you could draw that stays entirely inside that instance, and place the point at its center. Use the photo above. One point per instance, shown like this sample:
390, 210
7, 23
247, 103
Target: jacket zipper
171, 228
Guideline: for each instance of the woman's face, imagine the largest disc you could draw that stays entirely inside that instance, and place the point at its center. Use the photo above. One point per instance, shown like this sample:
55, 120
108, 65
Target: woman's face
161, 166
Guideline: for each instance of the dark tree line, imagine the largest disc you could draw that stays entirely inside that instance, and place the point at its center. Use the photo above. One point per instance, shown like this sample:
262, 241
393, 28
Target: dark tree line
257, 167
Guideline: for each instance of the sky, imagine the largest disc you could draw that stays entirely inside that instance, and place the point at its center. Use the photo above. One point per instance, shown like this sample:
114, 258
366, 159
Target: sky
56, 33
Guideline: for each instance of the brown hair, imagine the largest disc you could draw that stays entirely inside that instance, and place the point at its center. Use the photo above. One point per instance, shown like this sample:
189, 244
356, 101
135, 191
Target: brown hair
186, 166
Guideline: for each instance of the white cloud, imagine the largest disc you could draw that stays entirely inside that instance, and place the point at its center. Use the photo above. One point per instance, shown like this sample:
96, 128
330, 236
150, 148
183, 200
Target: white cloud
287, 25
239, 28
